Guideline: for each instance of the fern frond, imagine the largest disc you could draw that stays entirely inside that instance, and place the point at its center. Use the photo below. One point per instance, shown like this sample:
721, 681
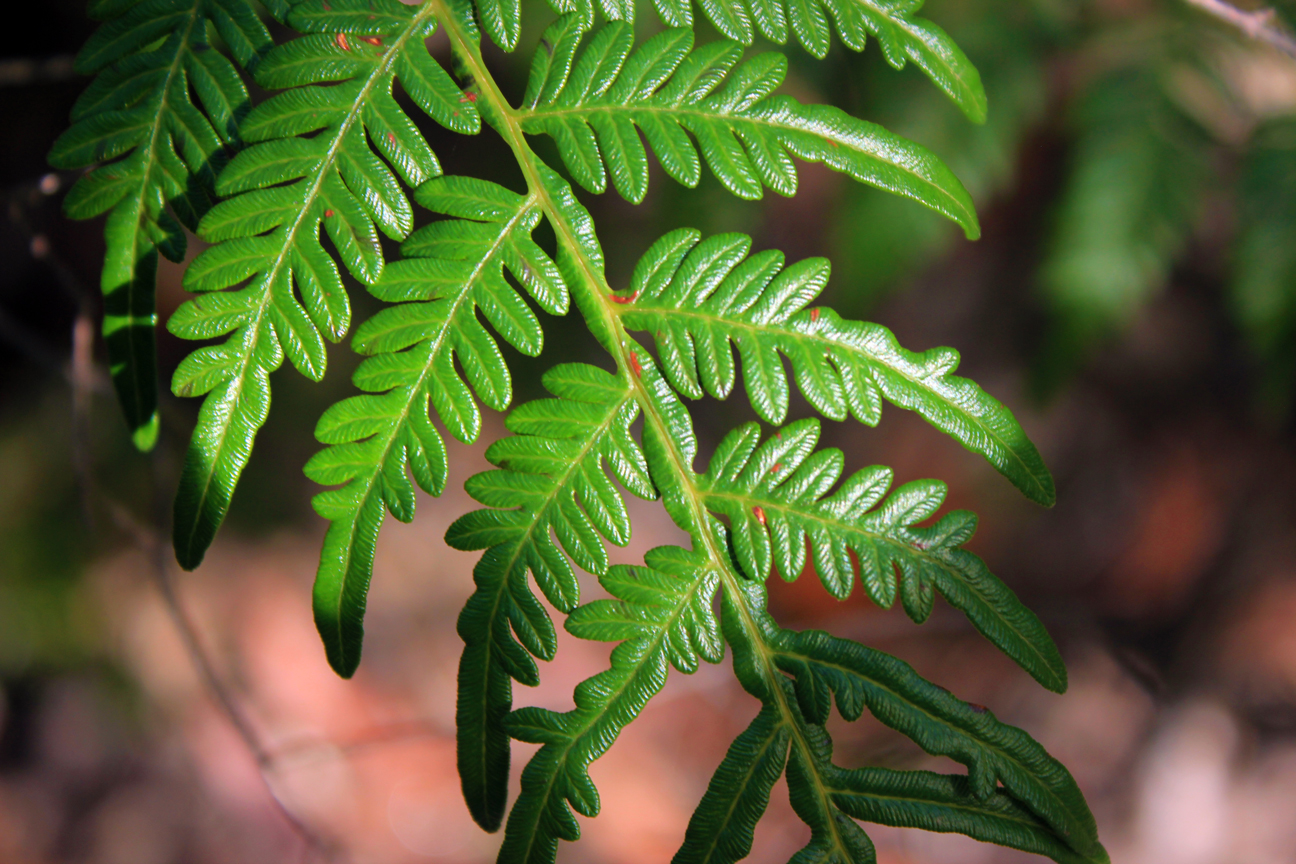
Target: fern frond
1040, 808
269, 229
1264, 278
663, 616
902, 36
698, 299
773, 496
162, 152
1135, 188
551, 482
450, 271
595, 105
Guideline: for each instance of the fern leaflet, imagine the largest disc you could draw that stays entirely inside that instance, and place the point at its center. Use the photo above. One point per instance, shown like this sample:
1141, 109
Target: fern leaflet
167, 150
593, 104
772, 495
663, 617
451, 270
551, 481
1014, 794
269, 229
698, 298
902, 36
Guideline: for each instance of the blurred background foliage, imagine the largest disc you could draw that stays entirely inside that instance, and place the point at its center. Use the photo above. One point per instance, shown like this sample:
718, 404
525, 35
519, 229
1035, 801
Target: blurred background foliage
1133, 298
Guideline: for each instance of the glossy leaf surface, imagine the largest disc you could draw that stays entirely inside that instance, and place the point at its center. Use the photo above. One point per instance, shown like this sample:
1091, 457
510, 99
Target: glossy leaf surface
552, 483
780, 496
154, 151
311, 165
595, 102
452, 272
698, 299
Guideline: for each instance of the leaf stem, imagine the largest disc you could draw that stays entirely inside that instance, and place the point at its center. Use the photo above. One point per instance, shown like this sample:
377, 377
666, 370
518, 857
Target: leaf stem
592, 296
1261, 25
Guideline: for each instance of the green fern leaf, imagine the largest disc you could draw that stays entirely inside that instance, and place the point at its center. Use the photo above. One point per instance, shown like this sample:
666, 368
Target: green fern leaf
1135, 188
165, 150
944, 803
1050, 814
269, 229
773, 496
698, 298
451, 270
902, 36
1264, 277
552, 482
722, 826
663, 613
595, 106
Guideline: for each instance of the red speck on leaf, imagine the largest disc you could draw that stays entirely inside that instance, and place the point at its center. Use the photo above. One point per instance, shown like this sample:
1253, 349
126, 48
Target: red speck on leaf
634, 365
468, 97
776, 467
328, 213
341, 41
814, 314
328, 8
834, 143
760, 514
980, 709
372, 40
617, 298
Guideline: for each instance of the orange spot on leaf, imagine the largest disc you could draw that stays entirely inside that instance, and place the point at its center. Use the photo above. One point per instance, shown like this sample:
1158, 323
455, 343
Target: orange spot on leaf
760, 514
342, 42
634, 365
814, 314
372, 40
328, 213
618, 298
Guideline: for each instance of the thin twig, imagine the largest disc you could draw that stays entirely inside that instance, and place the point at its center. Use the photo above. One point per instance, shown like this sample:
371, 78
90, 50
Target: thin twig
1263, 25
159, 554
85, 378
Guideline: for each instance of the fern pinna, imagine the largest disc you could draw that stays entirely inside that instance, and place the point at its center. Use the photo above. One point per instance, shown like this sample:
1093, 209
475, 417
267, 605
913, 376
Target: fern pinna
334, 160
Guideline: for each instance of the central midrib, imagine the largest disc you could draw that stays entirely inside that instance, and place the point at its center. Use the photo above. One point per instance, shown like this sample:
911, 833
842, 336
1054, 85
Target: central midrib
595, 284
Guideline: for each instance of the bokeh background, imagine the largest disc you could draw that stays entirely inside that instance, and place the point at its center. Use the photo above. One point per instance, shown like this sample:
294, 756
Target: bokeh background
1133, 300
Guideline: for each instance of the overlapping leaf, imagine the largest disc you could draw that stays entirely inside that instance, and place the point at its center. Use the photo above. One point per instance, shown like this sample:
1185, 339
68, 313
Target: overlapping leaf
595, 106
309, 165
664, 616
1014, 794
1264, 279
1129, 204
552, 482
902, 36
451, 271
162, 151
776, 498
697, 299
